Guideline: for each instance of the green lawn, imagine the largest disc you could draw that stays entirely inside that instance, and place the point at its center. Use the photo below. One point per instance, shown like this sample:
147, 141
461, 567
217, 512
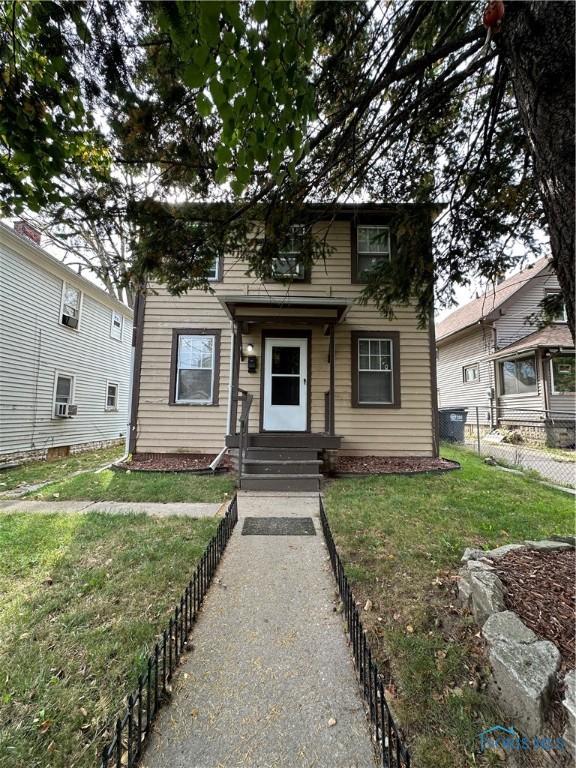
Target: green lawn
110, 485
43, 471
401, 540
82, 598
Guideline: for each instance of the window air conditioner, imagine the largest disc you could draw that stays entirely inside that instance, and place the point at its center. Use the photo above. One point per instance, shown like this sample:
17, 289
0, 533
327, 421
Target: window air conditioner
66, 410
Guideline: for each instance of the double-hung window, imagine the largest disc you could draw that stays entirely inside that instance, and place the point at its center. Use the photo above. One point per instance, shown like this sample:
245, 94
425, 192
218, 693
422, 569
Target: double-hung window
213, 273
71, 303
288, 264
518, 377
372, 248
375, 370
195, 366
111, 396
116, 325
63, 393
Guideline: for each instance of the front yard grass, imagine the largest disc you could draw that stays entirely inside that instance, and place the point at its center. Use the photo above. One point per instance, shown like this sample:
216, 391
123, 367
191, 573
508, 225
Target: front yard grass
110, 485
401, 540
82, 599
32, 472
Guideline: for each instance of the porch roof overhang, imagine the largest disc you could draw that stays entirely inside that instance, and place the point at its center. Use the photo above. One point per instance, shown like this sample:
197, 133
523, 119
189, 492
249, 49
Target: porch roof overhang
300, 309
554, 337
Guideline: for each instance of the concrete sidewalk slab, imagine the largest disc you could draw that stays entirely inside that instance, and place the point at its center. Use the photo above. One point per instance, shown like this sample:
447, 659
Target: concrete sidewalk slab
115, 507
270, 682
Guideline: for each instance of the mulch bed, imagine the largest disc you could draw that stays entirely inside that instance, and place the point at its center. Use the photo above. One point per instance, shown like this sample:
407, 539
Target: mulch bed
540, 589
388, 465
189, 462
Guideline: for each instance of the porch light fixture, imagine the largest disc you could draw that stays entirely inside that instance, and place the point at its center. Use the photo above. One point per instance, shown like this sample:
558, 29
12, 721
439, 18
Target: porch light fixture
250, 348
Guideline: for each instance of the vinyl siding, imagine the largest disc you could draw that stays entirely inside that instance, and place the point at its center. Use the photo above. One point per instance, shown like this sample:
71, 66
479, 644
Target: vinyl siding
474, 347
512, 325
34, 346
404, 431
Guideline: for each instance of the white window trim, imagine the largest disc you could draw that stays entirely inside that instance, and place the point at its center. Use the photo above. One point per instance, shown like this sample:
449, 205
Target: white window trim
216, 278
109, 408
501, 376
554, 391
286, 256
66, 375
121, 316
564, 317
80, 305
465, 368
369, 370
210, 401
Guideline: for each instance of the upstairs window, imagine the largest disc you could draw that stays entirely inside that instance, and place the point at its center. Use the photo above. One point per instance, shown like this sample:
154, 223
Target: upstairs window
213, 274
287, 265
563, 368
71, 302
372, 249
111, 396
116, 325
561, 317
470, 374
518, 377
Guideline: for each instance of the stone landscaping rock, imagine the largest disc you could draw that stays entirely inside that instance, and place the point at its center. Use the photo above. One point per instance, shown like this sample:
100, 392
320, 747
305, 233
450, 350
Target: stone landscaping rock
482, 591
507, 627
493, 554
548, 545
472, 554
525, 674
568, 539
569, 704
479, 565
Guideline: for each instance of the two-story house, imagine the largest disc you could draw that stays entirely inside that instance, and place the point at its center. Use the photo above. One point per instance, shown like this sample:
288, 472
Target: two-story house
319, 371
492, 356
65, 351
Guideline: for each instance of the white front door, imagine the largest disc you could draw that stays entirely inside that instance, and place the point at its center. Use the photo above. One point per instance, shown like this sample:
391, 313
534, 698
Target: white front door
285, 385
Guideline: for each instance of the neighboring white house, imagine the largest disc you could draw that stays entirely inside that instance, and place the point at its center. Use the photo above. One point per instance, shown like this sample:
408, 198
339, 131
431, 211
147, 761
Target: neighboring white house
491, 356
64, 355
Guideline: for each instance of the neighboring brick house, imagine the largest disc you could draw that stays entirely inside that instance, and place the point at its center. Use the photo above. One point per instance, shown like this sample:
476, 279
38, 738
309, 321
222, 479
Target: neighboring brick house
65, 350
326, 373
490, 355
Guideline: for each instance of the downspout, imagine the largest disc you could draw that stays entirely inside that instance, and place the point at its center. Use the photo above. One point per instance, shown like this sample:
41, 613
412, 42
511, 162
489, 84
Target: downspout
218, 459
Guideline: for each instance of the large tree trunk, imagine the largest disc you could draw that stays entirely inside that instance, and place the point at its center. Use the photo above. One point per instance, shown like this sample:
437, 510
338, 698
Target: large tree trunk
537, 43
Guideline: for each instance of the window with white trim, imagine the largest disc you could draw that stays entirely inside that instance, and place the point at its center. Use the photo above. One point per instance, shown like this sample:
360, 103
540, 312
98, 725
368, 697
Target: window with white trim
375, 381
116, 325
288, 264
470, 374
213, 274
561, 317
111, 396
71, 302
518, 377
563, 374
372, 247
63, 393
195, 369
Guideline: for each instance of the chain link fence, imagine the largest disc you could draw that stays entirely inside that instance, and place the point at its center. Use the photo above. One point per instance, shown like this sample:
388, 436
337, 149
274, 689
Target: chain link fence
538, 441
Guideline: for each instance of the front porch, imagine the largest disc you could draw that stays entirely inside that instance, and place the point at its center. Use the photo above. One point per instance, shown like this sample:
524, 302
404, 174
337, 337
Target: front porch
282, 419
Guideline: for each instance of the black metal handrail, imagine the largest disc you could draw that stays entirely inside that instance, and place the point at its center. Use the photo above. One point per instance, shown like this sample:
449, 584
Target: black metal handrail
132, 729
246, 399
394, 753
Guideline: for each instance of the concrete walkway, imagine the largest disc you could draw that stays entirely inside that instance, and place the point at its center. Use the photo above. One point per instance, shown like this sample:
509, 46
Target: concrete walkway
115, 507
270, 682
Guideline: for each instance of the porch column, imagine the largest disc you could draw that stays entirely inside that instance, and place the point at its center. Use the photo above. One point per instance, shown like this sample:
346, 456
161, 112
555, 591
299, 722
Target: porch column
331, 399
236, 352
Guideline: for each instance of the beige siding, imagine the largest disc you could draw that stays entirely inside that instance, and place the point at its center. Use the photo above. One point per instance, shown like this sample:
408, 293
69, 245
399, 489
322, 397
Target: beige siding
403, 431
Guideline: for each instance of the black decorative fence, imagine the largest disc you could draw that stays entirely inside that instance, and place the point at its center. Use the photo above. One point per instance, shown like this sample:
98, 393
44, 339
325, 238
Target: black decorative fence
394, 753
133, 728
